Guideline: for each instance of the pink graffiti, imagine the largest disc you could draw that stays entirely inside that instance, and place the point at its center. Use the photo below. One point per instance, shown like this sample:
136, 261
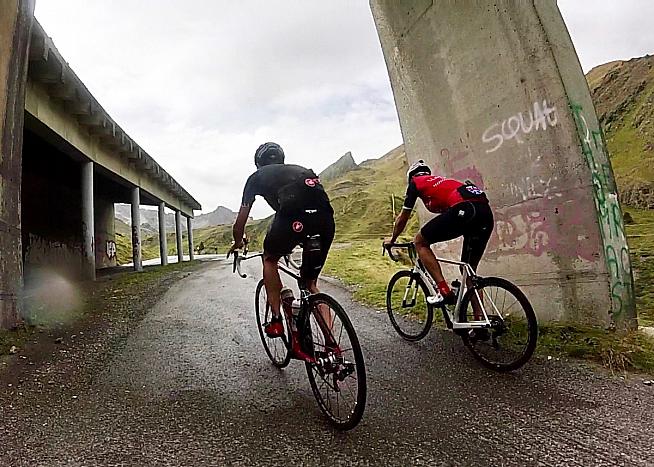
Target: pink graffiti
545, 225
465, 173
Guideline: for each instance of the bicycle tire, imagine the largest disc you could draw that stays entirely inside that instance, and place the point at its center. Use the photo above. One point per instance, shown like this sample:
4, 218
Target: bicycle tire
280, 360
410, 336
356, 413
532, 324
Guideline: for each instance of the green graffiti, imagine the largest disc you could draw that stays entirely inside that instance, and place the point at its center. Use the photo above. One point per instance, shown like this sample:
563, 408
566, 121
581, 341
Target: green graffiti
609, 216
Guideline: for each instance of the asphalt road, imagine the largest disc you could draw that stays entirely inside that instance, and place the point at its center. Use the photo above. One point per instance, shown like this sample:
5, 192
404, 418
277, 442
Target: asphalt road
191, 385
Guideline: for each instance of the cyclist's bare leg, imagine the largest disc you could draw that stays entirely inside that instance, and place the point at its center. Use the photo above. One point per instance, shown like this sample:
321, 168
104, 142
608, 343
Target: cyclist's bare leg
476, 307
326, 321
273, 282
428, 258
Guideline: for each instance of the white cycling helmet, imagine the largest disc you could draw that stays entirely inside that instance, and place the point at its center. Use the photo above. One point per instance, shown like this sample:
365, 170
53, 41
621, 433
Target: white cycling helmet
417, 168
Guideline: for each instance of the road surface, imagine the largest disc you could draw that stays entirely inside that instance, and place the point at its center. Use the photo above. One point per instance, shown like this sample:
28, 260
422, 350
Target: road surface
191, 385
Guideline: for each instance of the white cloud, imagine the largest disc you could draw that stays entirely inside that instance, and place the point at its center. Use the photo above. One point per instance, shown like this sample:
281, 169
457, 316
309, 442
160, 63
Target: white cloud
200, 84
607, 30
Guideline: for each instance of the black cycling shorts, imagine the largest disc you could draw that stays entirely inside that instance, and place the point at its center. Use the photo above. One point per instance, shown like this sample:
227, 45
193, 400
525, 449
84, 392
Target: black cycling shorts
471, 219
289, 230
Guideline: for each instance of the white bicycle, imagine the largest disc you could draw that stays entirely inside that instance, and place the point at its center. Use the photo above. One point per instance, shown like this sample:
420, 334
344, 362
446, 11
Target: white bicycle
492, 315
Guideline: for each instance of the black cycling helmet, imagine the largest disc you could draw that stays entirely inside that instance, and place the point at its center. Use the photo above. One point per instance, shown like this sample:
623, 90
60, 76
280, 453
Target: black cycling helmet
268, 153
417, 168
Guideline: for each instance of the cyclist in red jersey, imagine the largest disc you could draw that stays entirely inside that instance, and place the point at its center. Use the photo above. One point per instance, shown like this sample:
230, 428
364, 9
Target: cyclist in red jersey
464, 211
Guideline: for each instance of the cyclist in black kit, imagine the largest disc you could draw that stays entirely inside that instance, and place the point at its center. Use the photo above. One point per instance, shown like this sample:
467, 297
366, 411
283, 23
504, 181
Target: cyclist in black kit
303, 216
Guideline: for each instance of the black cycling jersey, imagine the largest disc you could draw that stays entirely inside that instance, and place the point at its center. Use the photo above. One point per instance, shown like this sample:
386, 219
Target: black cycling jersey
286, 186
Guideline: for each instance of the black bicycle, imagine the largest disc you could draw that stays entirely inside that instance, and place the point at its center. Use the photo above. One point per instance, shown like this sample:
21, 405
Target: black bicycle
329, 348
492, 315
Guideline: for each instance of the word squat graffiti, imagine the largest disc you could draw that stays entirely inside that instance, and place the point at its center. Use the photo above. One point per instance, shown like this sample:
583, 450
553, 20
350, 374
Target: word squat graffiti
541, 117
609, 213
111, 249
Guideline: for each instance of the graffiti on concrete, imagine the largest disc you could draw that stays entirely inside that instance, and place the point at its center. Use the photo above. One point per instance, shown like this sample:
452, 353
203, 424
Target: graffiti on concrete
136, 246
111, 249
541, 117
544, 225
609, 213
451, 160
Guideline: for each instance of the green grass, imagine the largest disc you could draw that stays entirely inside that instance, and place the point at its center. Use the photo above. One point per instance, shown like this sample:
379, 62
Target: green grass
615, 350
361, 266
640, 236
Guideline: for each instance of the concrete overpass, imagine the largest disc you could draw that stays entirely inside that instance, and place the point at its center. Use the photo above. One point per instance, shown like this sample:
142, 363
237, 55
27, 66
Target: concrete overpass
64, 163
493, 91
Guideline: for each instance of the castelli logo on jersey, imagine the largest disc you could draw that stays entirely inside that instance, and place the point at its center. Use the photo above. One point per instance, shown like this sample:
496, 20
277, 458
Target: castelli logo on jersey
311, 181
297, 226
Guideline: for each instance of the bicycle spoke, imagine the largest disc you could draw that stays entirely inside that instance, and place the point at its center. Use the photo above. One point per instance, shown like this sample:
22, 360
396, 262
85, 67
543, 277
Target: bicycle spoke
510, 340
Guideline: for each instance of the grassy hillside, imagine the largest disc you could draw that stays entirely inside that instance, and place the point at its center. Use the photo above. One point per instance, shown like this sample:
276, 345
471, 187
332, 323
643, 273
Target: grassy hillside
640, 235
363, 197
623, 93
149, 247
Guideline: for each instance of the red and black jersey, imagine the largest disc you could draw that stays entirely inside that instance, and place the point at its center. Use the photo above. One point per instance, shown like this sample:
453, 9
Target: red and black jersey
440, 193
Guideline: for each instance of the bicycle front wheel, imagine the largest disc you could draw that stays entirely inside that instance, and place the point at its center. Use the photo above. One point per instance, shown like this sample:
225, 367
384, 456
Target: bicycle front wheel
406, 303
511, 339
338, 375
276, 348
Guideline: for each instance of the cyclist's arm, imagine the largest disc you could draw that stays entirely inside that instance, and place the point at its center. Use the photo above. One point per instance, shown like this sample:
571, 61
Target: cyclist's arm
238, 230
403, 217
400, 223
249, 193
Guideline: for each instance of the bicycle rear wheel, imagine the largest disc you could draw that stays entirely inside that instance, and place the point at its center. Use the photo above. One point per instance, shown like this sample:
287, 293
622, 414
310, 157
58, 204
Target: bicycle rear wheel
406, 303
511, 339
338, 376
277, 348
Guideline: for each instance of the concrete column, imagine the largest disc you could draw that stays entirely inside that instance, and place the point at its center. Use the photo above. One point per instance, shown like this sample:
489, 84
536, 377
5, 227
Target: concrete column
493, 92
15, 24
88, 223
189, 226
105, 232
163, 241
136, 229
178, 235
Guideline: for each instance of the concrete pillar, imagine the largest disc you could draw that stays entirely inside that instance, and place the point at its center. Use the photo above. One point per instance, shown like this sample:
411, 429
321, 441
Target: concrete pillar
178, 236
105, 232
163, 241
88, 223
136, 229
189, 227
15, 24
493, 91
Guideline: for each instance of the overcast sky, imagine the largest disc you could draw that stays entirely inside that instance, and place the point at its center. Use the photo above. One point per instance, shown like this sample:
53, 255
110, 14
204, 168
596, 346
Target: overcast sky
199, 84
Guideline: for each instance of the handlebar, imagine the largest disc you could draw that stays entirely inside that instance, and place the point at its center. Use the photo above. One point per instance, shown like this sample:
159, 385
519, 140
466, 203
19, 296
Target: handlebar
389, 248
236, 265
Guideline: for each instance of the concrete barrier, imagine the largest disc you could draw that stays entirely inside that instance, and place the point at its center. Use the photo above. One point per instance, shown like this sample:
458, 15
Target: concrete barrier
493, 91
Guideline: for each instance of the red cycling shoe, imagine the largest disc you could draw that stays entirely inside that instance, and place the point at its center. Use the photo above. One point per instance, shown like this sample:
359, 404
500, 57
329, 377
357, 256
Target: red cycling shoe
297, 351
274, 329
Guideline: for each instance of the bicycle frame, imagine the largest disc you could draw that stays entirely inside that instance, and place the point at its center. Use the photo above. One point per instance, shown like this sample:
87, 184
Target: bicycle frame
467, 273
304, 292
